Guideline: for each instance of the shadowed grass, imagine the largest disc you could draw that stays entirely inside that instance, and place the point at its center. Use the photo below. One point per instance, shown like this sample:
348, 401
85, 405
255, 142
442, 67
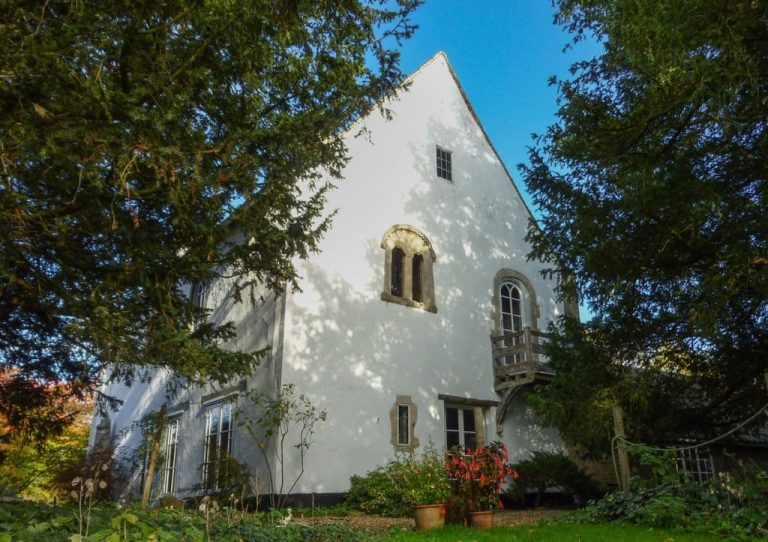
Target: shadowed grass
550, 533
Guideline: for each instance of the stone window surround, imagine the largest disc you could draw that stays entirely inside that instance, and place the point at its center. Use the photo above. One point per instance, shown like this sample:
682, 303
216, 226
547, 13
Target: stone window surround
531, 312
413, 443
411, 241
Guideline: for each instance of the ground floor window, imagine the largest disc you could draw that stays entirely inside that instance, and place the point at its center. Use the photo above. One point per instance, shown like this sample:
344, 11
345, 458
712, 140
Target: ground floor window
402, 417
460, 427
170, 454
403, 425
218, 445
695, 464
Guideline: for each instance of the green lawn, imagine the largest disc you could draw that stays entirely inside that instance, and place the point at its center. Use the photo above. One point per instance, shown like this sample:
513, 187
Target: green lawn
40, 523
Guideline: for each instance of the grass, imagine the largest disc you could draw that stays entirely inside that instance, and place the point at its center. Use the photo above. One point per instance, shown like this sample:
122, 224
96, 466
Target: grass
34, 522
609, 532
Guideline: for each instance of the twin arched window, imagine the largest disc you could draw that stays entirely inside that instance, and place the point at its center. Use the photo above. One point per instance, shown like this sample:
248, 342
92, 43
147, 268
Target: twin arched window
408, 261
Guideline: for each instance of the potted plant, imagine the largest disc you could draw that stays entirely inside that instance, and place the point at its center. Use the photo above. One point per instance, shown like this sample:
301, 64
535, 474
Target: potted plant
425, 487
476, 479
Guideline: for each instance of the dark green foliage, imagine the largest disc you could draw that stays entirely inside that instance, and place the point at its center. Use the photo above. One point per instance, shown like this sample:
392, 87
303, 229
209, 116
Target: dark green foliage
378, 493
546, 470
32, 523
653, 187
731, 503
146, 145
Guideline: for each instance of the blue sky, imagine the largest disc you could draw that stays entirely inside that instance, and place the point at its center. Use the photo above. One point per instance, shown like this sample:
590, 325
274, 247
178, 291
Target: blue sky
504, 52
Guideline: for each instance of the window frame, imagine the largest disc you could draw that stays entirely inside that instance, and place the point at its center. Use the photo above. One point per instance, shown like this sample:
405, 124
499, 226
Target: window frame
396, 424
529, 305
171, 454
695, 464
404, 423
200, 293
216, 463
444, 163
516, 318
461, 431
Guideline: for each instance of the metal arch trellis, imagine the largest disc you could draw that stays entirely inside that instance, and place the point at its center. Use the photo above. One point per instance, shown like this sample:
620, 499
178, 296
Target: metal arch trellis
620, 439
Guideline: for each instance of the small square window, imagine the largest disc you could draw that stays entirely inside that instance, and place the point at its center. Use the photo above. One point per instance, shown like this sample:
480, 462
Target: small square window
444, 164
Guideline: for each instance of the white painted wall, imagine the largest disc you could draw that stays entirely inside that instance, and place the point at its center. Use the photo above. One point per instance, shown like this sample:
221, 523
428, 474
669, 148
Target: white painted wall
348, 350
353, 353
257, 327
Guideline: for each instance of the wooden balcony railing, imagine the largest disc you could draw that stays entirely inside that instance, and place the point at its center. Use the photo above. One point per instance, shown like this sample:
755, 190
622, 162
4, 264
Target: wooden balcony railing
518, 358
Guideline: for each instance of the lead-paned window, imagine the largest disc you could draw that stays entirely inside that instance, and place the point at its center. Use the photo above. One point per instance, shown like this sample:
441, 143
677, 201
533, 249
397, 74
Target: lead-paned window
443, 159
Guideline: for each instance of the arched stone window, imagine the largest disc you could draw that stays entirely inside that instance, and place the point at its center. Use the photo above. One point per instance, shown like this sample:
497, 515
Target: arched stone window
398, 261
514, 302
408, 261
510, 307
416, 265
200, 293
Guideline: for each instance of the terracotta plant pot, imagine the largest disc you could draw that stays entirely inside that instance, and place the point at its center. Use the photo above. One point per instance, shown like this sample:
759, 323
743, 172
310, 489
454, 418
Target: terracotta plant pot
429, 516
481, 520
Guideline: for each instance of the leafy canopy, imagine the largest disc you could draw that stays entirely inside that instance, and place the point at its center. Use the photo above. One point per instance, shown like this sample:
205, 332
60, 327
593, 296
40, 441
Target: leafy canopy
653, 187
147, 145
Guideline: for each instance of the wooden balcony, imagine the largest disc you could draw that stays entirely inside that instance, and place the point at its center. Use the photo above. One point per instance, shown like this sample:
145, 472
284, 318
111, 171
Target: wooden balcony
518, 359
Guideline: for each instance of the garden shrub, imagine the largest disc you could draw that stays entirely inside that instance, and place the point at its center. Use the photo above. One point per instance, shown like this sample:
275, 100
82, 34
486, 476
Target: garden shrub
376, 493
43, 523
732, 503
546, 470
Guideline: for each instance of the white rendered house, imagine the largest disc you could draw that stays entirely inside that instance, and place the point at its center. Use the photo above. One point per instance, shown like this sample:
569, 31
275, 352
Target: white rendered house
419, 321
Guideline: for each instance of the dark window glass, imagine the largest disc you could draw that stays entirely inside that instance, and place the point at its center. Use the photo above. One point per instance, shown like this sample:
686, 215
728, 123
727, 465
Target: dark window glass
470, 441
469, 419
398, 257
443, 164
416, 272
198, 294
402, 424
452, 419
460, 427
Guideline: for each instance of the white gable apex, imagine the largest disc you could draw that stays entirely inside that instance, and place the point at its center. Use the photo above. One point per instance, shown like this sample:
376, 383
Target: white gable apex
432, 106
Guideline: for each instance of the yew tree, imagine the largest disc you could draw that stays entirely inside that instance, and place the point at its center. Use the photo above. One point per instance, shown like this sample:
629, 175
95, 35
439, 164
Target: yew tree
653, 188
148, 145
